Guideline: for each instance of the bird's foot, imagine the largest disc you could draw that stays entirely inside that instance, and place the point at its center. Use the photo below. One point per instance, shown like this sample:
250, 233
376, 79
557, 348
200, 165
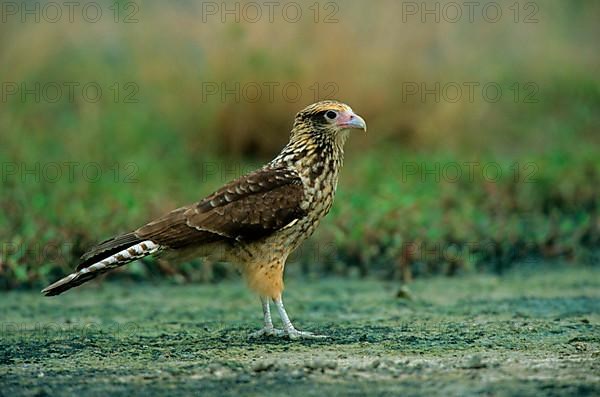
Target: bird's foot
266, 332
294, 334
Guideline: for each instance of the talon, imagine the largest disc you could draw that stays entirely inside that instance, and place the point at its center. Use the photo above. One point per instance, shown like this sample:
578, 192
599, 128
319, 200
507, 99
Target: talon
267, 332
294, 334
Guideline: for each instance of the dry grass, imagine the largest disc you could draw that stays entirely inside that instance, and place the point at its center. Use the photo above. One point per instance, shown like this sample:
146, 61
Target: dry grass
369, 55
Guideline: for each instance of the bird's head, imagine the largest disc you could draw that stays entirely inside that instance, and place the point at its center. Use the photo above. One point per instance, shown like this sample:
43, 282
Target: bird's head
327, 120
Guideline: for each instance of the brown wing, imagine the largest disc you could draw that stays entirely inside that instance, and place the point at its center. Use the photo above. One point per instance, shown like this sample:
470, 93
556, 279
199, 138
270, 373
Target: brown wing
249, 208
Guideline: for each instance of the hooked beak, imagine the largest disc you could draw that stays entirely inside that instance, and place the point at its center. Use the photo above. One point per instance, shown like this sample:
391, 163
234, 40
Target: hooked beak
353, 121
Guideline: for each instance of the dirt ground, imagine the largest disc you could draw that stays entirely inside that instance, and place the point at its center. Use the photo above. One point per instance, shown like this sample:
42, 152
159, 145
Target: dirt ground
525, 333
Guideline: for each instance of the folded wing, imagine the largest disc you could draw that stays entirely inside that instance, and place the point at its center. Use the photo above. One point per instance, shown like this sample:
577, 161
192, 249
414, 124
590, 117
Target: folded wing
249, 208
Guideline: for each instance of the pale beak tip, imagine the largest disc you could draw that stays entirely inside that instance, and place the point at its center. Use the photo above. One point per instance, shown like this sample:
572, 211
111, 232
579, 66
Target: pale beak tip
358, 123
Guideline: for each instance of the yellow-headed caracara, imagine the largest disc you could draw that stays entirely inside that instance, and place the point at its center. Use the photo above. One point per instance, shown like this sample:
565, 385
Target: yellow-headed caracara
254, 222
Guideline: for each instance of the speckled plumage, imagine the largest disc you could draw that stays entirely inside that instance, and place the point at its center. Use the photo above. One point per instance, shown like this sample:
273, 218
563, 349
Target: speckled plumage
255, 221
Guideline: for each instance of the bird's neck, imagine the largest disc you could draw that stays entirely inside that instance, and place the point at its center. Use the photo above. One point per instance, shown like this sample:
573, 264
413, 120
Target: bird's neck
312, 158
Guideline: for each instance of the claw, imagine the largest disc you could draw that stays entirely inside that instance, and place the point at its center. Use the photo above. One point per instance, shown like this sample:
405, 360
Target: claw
288, 331
267, 332
294, 334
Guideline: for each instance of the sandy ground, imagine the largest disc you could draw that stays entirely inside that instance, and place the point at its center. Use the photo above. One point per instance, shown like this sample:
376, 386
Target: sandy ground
524, 333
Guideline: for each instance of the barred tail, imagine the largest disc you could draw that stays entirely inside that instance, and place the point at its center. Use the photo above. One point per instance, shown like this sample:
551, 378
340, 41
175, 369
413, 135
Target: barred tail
110, 260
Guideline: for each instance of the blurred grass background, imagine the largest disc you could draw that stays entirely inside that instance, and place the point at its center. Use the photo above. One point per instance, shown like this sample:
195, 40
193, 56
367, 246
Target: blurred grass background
391, 218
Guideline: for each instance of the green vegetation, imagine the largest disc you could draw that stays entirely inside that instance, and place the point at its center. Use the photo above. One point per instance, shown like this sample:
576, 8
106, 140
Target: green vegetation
526, 333
158, 139
391, 218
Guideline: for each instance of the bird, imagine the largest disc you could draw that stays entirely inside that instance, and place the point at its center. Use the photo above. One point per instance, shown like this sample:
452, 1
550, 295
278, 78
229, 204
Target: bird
254, 222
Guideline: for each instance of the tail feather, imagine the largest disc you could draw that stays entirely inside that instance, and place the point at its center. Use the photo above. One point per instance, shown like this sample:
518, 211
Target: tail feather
109, 261
107, 248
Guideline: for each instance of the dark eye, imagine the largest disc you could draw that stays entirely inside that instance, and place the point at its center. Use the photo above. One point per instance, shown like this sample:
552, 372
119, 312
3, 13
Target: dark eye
331, 115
